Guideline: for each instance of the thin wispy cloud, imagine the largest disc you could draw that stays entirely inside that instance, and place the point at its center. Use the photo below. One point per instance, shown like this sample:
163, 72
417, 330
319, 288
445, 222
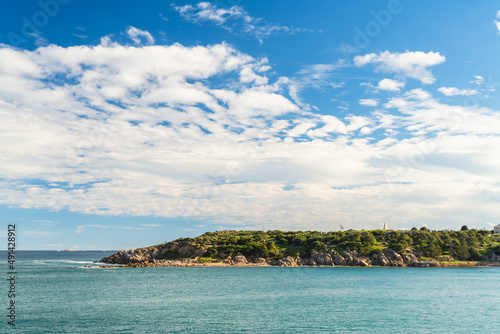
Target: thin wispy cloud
80, 36
38, 234
234, 19
135, 35
497, 23
83, 228
316, 76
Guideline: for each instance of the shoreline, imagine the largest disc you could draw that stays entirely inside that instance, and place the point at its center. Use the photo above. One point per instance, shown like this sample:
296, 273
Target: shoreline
458, 264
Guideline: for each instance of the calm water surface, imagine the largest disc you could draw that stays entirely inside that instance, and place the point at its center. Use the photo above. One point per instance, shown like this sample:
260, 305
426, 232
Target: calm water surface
56, 294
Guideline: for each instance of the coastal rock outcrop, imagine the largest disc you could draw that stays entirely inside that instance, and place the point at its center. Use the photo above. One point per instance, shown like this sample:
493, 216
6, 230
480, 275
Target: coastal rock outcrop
352, 258
129, 256
321, 258
390, 258
288, 261
187, 254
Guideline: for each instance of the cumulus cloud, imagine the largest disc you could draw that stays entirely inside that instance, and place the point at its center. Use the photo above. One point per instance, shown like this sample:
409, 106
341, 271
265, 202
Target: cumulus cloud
368, 102
406, 65
233, 18
453, 91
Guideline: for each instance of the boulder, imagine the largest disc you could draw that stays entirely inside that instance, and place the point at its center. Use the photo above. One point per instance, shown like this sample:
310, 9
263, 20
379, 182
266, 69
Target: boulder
363, 263
390, 258
348, 258
240, 259
410, 259
380, 260
314, 256
339, 260
394, 258
288, 262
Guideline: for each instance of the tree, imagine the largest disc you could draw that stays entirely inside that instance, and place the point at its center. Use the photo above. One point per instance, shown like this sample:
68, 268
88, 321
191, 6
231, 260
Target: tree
464, 228
212, 252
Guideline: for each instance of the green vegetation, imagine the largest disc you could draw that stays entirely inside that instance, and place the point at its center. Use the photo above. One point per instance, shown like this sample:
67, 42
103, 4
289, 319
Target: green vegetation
464, 245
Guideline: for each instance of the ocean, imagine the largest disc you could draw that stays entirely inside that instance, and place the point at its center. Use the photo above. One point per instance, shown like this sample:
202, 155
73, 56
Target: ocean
55, 293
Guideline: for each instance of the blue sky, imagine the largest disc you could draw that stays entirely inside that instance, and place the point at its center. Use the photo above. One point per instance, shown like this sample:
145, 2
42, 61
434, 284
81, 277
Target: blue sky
127, 123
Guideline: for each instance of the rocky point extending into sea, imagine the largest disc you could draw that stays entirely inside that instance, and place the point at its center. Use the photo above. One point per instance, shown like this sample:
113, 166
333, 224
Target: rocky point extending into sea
151, 257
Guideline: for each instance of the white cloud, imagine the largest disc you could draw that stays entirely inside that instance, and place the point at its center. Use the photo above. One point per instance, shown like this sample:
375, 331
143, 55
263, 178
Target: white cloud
368, 102
134, 34
229, 19
406, 65
390, 85
453, 91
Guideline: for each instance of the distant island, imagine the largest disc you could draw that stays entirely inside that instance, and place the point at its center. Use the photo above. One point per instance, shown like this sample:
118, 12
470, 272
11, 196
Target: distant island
413, 248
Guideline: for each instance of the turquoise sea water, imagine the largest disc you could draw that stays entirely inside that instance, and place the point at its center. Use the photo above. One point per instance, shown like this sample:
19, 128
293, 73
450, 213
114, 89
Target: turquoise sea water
56, 294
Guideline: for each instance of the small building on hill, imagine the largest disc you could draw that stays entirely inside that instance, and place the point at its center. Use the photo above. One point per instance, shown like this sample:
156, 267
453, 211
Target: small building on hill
496, 229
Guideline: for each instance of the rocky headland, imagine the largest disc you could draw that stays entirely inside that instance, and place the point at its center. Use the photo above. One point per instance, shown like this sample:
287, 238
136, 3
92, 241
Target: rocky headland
216, 250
